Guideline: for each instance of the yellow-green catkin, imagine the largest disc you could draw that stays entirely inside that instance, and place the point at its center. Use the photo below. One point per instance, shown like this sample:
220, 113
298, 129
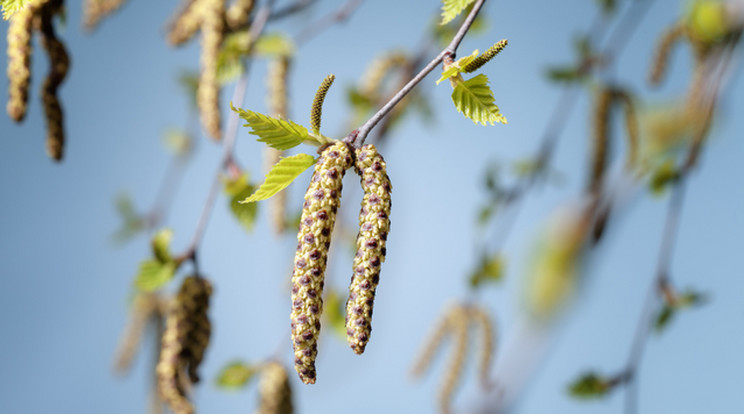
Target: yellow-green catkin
481, 60
432, 345
316, 111
144, 308
276, 85
96, 10
631, 125
598, 151
274, 390
374, 225
186, 23
458, 322
59, 63
208, 90
238, 13
482, 320
663, 49
185, 338
19, 60
322, 200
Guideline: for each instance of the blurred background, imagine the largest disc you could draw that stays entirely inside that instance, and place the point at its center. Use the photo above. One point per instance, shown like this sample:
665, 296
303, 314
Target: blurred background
67, 282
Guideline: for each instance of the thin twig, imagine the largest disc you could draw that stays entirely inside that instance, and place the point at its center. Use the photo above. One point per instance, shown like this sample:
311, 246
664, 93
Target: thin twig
338, 16
291, 9
357, 137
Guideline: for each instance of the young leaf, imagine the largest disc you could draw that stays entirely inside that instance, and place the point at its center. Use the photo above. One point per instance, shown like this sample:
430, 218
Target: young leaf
474, 99
664, 317
281, 175
276, 133
10, 7
160, 245
239, 189
491, 269
589, 385
457, 66
451, 8
333, 312
153, 274
235, 375
274, 44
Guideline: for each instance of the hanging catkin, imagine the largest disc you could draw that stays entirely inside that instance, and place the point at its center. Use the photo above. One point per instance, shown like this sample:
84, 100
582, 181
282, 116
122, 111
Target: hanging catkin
374, 225
274, 390
238, 13
208, 90
144, 308
322, 200
458, 322
186, 23
185, 339
95, 10
598, 158
59, 63
276, 85
19, 60
482, 320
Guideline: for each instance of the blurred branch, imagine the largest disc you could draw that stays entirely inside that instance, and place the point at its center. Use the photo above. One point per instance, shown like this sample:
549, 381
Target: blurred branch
338, 16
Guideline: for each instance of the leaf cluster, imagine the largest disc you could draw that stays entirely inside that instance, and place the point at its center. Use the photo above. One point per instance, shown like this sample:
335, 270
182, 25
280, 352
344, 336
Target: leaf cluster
155, 272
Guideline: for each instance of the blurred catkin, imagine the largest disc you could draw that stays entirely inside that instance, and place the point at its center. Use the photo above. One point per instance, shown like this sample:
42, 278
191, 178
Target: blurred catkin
19, 60
186, 336
481, 318
276, 85
59, 63
96, 10
458, 321
322, 201
374, 225
186, 23
238, 13
208, 90
377, 71
274, 390
598, 158
145, 308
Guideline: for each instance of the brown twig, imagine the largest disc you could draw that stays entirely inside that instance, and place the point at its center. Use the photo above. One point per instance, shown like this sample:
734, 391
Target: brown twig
338, 16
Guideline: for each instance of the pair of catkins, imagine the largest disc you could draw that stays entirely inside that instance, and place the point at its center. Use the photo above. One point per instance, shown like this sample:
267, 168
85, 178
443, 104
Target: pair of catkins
322, 201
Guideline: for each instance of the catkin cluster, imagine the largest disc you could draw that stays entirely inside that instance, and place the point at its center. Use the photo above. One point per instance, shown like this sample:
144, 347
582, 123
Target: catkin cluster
95, 10
456, 323
274, 390
37, 16
186, 336
322, 200
374, 225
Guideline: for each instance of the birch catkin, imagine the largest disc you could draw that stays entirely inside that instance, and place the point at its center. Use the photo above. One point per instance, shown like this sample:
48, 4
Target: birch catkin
238, 13
95, 10
322, 200
145, 307
185, 339
186, 22
274, 390
208, 90
59, 62
458, 321
374, 225
276, 85
489, 54
19, 60
482, 320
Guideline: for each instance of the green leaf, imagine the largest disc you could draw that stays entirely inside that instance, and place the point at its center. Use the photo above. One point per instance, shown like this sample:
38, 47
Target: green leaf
457, 67
275, 45
189, 81
281, 175
664, 317
153, 274
490, 270
691, 298
474, 99
663, 176
178, 142
334, 310
708, 20
589, 385
239, 189
235, 375
565, 74
451, 8
11, 7
161, 245
276, 133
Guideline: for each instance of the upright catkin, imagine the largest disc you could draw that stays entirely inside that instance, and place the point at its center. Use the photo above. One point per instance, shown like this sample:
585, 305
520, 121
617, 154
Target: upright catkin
276, 85
185, 339
374, 225
95, 10
316, 111
59, 63
238, 13
322, 200
489, 54
208, 90
186, 23
19, 60
274, 390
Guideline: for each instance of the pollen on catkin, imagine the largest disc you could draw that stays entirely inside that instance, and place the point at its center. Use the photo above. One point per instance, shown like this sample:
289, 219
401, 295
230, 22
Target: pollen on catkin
95, 10
274, 390
374, 225
186, 23
238, 13
59, 63
185, 339
19, 61
481, 60
316, 111
208, 90
322, 201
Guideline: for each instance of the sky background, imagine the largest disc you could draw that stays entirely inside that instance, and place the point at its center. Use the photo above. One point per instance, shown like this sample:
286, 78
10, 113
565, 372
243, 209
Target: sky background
65, 284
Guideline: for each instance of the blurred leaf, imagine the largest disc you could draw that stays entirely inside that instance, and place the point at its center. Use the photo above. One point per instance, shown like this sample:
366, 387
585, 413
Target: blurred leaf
239, 189
564, 74
663, 318
276, 133
474, 99
11, 7
132, 222
445, 32
490, 270
691, 298
235, 375
189, 81
608, 6
275, 45
153, 274
281, 175
334, 310
486, 213
708, 20
178, 142
161, 245
451, 8
589, 385
664, 175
